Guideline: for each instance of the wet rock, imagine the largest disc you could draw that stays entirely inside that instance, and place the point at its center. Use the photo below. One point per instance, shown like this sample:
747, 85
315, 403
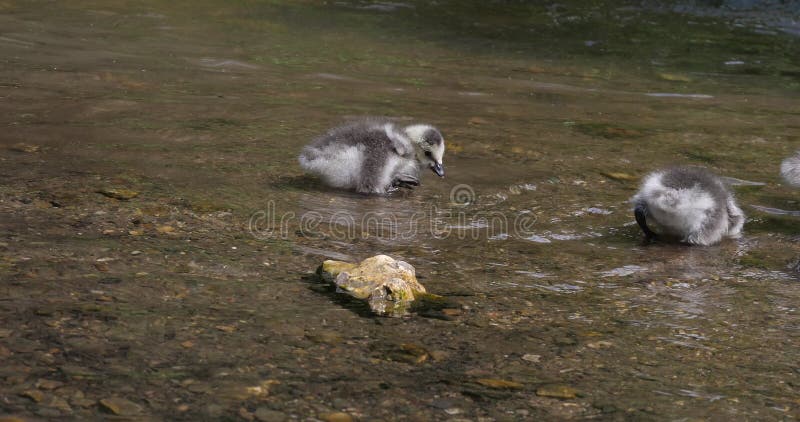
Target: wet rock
47, 412
556, 391
46, 384
475, 121
602, 344
674, 77
82, 402
499, 383
388, 285
265, 414
165, 229
620, 176
34, 395
410, 353
325, 337
439, 355
58, 403
531, 358
214, 410
120, 194
23, 147
120, 406
336, 417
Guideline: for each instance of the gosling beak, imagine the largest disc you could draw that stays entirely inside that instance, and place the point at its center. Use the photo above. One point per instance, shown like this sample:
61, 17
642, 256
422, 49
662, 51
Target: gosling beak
438, 169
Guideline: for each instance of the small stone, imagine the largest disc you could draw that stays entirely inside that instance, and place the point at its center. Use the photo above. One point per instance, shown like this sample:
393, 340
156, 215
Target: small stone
101, 266
45, 384
245, 414
82, 402
439, 355
226, 328
48, 412
674, 77
188, 344
265, 414
336, 417
557, 391
602, 344
34, 395
619, 176
120, 406
38, 203
136, 252
499, 383
135, 232
120, 194
325, 337
531, 358
214, 410
199, 387
182, 408
165, 229
23, 147
58, 403
477, 121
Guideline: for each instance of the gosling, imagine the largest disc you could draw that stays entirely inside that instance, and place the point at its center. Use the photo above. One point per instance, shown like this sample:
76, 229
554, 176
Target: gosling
374, 155
790, 170
688, 203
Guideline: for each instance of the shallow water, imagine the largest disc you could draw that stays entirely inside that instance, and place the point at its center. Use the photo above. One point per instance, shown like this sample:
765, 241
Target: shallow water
196, 299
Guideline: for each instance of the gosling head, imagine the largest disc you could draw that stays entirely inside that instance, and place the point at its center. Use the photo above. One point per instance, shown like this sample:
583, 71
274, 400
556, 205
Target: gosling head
430, 146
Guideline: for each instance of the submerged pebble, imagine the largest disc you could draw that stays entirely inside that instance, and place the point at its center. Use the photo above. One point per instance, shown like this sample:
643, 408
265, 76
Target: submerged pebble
120, 194
557, 391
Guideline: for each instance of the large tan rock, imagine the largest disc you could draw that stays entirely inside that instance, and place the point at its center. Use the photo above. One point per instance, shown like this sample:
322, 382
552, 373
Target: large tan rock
388, 285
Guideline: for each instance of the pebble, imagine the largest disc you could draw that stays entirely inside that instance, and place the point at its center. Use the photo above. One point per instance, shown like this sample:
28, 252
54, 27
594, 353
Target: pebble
23, 147
34, 395
499, 383
265, 414
557, 391
336, 417
602, 344
46, 384
165, 229
120, 406
531, 358
120, 194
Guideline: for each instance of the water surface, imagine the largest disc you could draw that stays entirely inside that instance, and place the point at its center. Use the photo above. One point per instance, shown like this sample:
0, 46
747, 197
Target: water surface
196, 299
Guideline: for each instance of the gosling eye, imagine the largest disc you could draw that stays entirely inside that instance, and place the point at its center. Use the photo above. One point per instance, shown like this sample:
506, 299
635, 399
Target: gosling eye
428, 154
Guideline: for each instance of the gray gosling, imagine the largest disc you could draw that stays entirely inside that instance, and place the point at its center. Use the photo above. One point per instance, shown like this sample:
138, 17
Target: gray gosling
790, 170
374, 155
688, 203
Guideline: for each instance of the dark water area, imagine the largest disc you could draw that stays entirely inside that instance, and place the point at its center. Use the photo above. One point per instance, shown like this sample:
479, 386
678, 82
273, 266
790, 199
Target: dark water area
158, 238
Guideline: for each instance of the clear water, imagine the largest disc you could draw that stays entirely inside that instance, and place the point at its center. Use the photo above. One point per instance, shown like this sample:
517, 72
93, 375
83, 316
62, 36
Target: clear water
194, 301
